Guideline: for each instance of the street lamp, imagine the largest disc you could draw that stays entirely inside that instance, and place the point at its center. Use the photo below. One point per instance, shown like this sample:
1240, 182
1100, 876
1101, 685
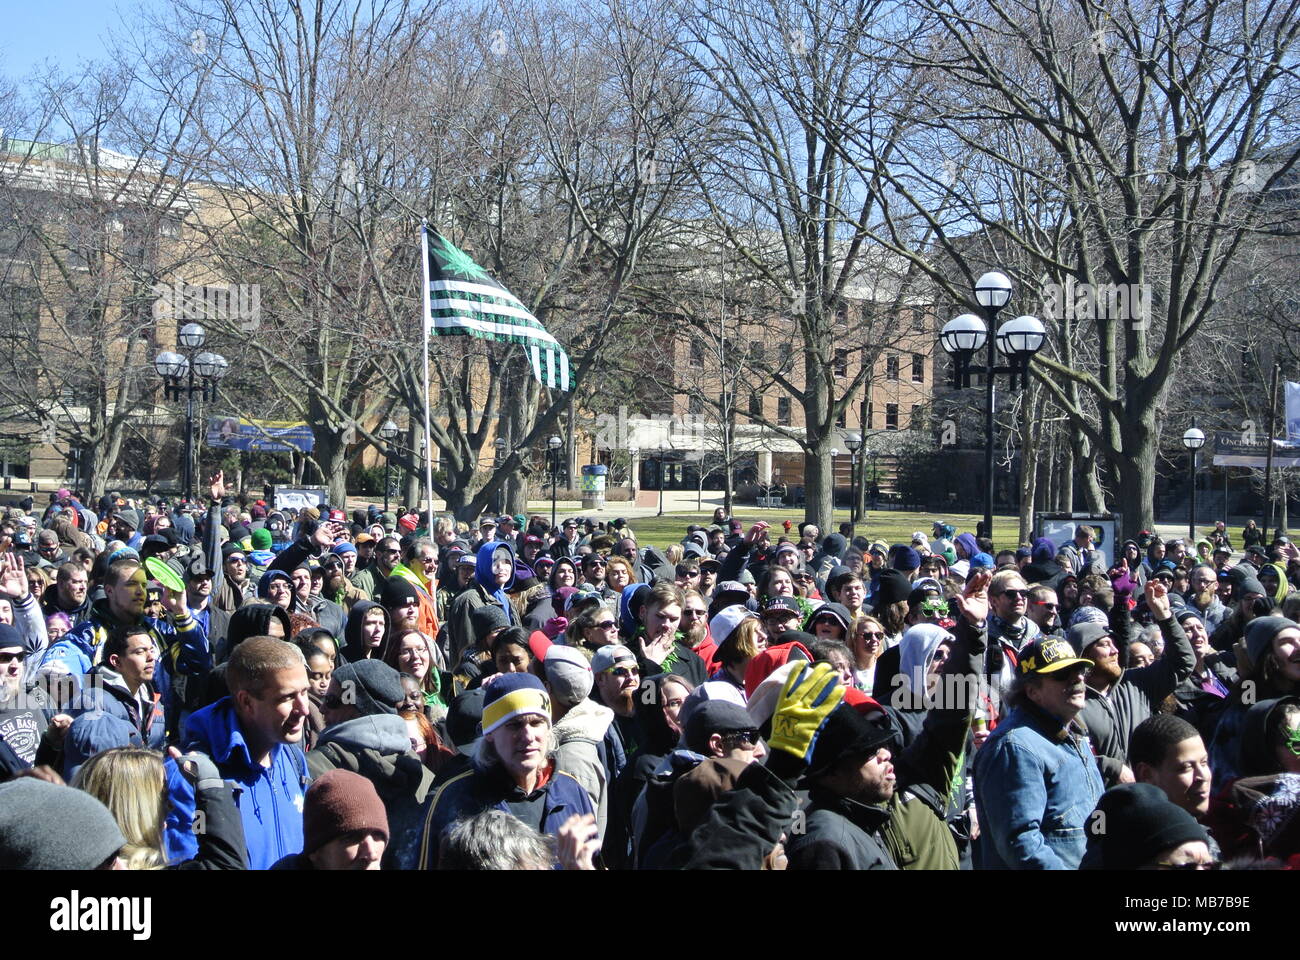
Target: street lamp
853, 441
387, 433
1193, 440
633, 465
554, 443
835, 452
178, 371
1017, 340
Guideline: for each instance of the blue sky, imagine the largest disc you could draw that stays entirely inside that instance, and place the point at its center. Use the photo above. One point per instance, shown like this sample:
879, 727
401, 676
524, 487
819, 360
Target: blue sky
61, 31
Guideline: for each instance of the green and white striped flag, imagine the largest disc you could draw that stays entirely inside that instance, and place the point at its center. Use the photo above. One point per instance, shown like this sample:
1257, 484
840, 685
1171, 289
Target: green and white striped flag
463, 300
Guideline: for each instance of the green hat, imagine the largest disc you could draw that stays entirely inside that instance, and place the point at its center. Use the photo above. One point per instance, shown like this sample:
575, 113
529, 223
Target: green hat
520, 521
262, 539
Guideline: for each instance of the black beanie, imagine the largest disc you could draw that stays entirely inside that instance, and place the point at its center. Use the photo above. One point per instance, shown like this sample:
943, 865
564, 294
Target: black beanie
893, 587
846, 733
396, 591
1137, 823
485, 619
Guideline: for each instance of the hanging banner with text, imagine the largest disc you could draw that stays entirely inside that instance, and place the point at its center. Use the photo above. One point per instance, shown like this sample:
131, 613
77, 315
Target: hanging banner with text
1230, 450
266, 436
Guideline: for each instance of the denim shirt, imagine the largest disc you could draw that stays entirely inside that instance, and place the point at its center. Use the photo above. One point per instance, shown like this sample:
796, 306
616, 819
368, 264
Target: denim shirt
1035, 786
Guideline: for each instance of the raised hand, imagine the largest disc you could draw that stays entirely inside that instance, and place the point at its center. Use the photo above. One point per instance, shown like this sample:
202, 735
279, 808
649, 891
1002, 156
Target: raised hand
974, 599
175, 603
217, 486
13, 576
1157, 595
577, 842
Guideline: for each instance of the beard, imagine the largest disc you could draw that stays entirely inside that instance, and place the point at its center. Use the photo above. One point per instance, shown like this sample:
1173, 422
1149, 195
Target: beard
1204, 598
1106, 669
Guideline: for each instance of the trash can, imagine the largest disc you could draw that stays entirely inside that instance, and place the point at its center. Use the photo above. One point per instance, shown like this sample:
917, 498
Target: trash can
593, 486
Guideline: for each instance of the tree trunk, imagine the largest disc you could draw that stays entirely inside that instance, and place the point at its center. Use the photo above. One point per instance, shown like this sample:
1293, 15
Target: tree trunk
1031, 432
1066, 486
1136, 473
818, 474
331, 455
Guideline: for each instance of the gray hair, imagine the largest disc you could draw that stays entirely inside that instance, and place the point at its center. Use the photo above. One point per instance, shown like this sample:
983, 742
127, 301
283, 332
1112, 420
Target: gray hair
495, 840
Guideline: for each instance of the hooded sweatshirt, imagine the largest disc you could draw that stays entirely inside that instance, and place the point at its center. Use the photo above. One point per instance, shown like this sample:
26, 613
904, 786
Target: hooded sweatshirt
459, 631
270, 804
1228, 746
354, 647
916, 652
378, 747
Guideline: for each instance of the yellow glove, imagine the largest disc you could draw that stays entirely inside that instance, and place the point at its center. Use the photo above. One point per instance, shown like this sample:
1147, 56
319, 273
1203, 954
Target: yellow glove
809, 696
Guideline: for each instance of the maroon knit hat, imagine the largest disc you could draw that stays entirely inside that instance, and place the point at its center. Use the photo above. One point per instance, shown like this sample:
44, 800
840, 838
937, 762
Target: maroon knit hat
337, 803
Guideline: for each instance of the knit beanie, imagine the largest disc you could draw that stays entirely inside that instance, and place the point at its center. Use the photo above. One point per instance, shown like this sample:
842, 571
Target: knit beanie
372, 686
49, 827
1140, 822
261, 539
514, 695
892, 587
485, 619
1259, 636
396, 591
337, 804
906, 557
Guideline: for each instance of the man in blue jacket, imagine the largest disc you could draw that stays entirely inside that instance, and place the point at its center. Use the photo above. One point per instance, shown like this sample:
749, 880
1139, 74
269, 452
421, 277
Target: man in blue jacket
1036, 779
513, 769
253, 736
182, 643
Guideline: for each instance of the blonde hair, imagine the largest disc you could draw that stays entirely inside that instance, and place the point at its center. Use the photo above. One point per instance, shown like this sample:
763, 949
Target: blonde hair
673, 553
620, 562
130, 782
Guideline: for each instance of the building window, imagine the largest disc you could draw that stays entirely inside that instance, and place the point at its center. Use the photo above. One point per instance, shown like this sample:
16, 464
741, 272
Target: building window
891, 416
783, 411
891, 367
915, 422
841, 363
755, 405
918, 368
695, 405
697, 354
757, 353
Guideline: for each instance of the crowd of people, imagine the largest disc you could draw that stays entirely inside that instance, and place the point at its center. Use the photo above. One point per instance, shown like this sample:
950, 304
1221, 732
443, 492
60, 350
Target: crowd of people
231, 686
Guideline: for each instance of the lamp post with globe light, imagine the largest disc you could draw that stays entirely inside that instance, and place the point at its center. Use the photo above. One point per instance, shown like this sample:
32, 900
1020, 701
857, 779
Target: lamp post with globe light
1193, 440
179, 371
387, 433
1017, 340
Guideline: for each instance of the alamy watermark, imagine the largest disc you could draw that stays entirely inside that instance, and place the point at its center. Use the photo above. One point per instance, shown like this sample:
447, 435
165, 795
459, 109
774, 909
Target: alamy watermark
232, 301
1126, 302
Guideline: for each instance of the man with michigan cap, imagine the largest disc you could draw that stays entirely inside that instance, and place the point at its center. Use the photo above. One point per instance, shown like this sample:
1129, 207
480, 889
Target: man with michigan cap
1036, 779
513, 768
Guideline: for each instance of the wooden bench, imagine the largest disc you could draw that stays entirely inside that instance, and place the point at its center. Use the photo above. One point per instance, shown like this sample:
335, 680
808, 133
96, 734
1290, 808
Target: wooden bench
770, 502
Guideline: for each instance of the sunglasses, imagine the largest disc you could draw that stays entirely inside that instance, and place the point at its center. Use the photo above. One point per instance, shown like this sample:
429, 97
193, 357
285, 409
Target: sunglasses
1048, 604
624, 672
11, 657
938, 606
1014, 594
604, 625
1193, 865
743, 737
873, 635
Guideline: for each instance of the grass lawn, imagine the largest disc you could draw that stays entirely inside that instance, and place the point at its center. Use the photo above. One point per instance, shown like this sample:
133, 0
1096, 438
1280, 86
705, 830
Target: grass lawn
888, 525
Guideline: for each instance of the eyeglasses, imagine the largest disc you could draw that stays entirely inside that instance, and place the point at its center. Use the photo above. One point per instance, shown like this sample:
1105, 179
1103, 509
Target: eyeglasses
1048, 604
604, 625
623, 672
390, 553
743, 737
935, 607
1192, 865
689, 612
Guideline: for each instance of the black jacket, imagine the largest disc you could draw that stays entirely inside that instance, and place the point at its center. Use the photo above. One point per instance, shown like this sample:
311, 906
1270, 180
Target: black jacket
841, 834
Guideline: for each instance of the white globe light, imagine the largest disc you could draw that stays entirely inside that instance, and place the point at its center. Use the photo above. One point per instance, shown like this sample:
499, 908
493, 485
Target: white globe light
1022, 336
964, 334
993, 290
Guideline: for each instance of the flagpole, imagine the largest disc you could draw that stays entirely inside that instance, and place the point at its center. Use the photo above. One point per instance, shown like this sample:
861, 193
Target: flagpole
427, 319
